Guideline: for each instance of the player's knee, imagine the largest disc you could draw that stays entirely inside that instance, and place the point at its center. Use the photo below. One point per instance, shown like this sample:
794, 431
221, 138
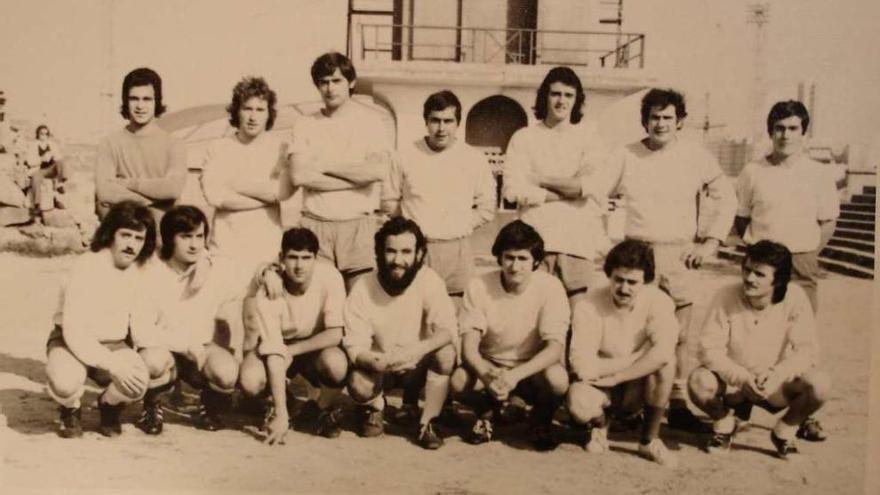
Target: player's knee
818, 385
362, 387
556, 378
702, 385
65, 377
252, 379
443, 360
460, 380
158, 361
332, 366
584, 402
222, 372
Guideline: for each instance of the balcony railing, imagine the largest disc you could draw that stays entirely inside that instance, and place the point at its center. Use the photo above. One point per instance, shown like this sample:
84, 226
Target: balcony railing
498, 46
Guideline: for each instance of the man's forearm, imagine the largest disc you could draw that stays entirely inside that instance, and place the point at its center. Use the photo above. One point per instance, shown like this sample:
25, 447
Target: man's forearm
565, 187
549, 355
648, 363
330, 337
113, 192
160, 188
265, 191
276, 369
360, 174
317, 181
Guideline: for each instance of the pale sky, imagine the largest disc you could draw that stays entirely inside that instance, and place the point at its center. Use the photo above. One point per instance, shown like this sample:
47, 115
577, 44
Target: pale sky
62, 55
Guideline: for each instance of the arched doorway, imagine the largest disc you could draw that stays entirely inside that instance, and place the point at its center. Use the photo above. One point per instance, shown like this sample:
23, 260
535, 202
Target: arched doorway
489, 126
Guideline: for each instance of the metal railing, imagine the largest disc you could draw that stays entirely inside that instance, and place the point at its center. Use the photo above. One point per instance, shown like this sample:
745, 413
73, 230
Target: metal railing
406, 42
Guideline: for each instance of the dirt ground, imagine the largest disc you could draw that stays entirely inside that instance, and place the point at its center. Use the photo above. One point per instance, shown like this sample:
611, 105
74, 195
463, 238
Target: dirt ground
185, 460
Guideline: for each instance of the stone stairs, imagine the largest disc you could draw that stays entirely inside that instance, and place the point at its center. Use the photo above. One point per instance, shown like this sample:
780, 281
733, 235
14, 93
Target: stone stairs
851, 250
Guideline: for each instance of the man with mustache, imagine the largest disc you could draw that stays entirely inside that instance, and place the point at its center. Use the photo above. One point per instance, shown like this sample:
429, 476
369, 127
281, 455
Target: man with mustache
339, 156
678, 200
789, 198
623, 352
399, 331
759, 347
141, 162
513, 325
101, 322
299, 334
194, 291
543, 171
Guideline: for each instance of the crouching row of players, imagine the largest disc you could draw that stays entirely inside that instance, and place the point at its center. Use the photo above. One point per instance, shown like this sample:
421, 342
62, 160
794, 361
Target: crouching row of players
133, 325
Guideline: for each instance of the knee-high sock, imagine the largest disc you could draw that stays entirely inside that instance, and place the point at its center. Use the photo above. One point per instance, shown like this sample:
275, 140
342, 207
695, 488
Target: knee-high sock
436, 389
651, 426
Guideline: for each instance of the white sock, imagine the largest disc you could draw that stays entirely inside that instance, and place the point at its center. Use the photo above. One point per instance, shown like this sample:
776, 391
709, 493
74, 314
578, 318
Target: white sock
725, 424
436, 388
784, 431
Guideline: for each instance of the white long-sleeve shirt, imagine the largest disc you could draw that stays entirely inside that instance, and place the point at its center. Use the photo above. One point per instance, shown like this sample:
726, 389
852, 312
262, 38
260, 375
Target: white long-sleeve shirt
739, 342
100, 303
786, 202
448, 193
569, 226
661, 190
190, 303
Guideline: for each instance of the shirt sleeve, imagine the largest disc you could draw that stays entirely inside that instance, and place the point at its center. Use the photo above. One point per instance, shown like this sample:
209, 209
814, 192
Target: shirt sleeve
662, 327
212, 181
555, 314
358, 331
268, 323
744, 192
392, 186
472, 316
714, 341
802, 346
439, 309
333, 306
75, 324
719, 192
586, 337
829, 200
516, 170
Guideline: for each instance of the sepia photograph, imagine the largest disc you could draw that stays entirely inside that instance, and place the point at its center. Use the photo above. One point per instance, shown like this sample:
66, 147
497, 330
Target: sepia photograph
439, 247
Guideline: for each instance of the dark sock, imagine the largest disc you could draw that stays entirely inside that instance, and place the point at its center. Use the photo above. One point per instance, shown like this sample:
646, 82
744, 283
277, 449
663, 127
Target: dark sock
651, 426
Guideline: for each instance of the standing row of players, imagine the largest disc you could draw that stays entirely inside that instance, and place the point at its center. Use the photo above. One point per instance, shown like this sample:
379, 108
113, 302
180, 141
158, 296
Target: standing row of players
556, 172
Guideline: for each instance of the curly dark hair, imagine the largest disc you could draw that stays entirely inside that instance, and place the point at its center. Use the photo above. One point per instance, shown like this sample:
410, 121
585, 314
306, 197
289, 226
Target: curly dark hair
126, 215
248, 88
633, 255
662, 98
